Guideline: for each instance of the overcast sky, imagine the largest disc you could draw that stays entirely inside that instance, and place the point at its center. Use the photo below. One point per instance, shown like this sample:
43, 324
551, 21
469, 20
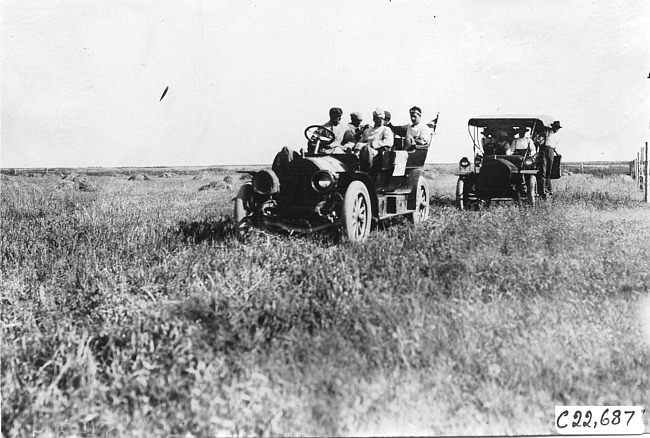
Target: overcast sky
82, 80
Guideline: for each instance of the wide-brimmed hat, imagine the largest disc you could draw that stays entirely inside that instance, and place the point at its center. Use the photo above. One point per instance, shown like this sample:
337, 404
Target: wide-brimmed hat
556, 124
379, 113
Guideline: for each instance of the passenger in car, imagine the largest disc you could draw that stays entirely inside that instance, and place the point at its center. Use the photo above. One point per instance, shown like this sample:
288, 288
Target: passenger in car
399, 132
488, 141
497, 143
523, 145
355, 129
374, 140
415, 134
418, 135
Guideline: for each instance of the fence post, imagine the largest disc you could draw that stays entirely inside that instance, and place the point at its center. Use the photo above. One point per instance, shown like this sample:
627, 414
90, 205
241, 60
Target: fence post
646, 174
638, 167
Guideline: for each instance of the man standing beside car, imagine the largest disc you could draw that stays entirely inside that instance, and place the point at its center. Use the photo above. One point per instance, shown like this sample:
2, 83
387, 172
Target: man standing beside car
549, 141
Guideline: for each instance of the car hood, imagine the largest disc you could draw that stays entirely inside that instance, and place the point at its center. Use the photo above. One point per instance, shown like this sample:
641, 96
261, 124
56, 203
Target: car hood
314, 164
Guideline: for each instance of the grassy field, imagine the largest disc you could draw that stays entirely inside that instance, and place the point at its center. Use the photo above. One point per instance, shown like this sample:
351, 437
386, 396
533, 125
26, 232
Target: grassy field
131, 310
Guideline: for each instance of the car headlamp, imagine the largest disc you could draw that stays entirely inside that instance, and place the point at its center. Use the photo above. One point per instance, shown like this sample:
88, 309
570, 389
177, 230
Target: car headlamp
528, 161
464, 163
266, 182
323, 181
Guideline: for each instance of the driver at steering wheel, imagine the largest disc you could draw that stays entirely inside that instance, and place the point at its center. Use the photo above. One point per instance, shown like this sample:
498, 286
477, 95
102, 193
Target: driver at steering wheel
341, 134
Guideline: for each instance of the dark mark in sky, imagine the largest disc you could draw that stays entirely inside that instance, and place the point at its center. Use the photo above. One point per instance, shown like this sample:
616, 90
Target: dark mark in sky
164, 92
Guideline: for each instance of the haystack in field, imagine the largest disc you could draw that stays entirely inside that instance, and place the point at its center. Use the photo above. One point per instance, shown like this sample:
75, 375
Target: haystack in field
140, 177
227, 179
85, 186
71, 176
67, 184
77, 182
203, 176
216, 185
167, 175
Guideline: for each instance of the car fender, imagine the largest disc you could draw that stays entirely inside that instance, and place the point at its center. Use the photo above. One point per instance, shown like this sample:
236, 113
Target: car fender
413, 178
345, 179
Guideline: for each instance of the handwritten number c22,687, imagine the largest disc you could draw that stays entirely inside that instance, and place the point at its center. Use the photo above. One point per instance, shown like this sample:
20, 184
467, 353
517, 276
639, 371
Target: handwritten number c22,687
587, 421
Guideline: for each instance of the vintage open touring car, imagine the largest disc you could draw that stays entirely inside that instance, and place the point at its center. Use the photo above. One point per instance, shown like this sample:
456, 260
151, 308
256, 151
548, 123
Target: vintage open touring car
494, 174
314, 191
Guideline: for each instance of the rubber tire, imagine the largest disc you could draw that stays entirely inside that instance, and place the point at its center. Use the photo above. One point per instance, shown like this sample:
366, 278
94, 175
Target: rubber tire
422, 207
357, 212
460, 194
531, 188
242, 210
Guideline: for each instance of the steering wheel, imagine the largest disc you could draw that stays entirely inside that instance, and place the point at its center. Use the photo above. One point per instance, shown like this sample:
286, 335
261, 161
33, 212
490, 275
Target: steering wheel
319, 134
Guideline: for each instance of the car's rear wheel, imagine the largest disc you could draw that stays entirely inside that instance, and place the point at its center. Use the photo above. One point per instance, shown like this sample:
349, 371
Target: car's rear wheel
357, 212
421, 213
531, 188
244, 204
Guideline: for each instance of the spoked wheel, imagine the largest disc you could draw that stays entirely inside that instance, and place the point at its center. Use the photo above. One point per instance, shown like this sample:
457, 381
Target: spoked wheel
244, 205
531, 188
466, 196
461, 196
357, 212
421, 213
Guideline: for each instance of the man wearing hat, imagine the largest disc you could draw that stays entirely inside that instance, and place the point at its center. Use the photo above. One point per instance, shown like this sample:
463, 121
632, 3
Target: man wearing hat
373, 140
355, 130
549, 141
418, 135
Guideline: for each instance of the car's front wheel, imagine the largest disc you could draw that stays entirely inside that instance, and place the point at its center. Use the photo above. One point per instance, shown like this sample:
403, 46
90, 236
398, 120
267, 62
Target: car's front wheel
421, 213
357, 212
531, 188
461, 195
244, 204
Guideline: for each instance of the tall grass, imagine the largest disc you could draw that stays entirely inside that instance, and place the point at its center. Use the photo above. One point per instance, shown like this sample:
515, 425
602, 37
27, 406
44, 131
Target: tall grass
133, 310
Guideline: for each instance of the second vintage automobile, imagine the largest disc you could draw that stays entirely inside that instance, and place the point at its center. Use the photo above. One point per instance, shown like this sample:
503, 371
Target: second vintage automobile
493, 174
315, 191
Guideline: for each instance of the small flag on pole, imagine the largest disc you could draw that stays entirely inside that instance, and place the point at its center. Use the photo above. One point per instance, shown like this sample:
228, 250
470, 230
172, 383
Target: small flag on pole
433, 124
